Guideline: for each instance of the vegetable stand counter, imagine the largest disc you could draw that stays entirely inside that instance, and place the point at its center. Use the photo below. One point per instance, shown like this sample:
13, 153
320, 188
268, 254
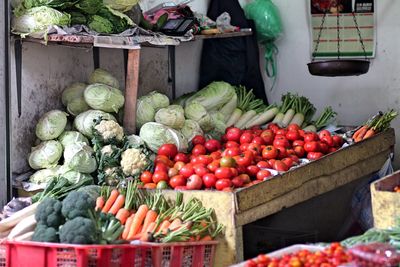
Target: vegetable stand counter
241, 207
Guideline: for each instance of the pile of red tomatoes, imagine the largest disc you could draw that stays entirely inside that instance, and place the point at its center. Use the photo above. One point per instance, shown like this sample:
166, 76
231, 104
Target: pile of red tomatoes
241, 158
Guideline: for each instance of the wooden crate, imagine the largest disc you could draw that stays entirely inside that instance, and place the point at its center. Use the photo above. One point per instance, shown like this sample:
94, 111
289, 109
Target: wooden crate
385, 202
236, 209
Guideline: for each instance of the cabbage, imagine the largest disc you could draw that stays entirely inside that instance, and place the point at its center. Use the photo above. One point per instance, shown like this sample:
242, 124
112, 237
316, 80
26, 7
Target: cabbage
214, 96
121, 5
72, 137
195, 111
77, 106
58, 4
190, 129
37, 21
45, 155
144, 111
75, 177
100, 24
182, 99
158, 100
51, 125
172, 116
219, 125
134, 140
73, 91
104, 77
155, 135
44, 176
89, 7
103, 97
80, 157
120, 22
85, 121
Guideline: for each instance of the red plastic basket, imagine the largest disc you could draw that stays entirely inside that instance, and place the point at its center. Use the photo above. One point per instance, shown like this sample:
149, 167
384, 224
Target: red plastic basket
30, 254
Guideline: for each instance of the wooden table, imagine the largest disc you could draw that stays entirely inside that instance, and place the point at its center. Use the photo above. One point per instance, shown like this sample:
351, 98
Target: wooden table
236, 209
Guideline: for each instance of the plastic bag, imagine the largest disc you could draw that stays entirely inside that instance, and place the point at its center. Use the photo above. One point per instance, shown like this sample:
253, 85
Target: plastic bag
269, 28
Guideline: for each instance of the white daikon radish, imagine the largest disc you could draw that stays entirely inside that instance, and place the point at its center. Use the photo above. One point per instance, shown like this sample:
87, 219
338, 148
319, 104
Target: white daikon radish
25, 237
263, 117
310, 128
14, 219
27, 224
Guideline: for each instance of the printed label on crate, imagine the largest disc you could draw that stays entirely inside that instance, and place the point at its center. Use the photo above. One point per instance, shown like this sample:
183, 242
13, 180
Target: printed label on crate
344, 28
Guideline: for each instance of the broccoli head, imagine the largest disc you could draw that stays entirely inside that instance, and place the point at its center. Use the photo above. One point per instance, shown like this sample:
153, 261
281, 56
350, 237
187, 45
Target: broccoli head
79, 231
49, 214
77, 204
43, 233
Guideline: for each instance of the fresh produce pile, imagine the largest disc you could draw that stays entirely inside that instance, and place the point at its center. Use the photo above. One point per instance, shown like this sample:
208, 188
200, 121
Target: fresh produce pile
334, 255
376, 124
35, 17
241, 158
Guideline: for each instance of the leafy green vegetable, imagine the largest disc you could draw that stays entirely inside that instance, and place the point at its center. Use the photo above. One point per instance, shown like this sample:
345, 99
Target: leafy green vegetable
86, 121
77, 18
57, 4
157, 100
121, 5
73, 91
145, 111
72, 137
51, 125
74, 177
103, 97
36, 21
197, 112
90, 7
100, 24
171, 116
104, 77
45, 155
214, 96
80, 157
190, 129
44, 175
120, 21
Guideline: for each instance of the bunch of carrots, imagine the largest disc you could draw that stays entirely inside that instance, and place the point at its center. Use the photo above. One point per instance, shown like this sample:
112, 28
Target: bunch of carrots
149, 217
376, 124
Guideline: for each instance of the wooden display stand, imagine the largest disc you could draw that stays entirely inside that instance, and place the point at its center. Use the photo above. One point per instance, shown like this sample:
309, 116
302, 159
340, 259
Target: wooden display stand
246, 205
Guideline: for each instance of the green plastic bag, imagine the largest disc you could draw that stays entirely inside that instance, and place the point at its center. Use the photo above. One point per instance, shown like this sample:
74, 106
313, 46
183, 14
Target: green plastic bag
269, 28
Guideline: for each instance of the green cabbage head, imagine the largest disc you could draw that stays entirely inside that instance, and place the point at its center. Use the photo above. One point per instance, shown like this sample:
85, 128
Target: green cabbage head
145, 111
104, 77
103, 97
190, 129
72, 137
158, 100
171, 116
86, 121
44, 176
45, 155
51, 125
197, 112
80, 157
72, 92
121, 5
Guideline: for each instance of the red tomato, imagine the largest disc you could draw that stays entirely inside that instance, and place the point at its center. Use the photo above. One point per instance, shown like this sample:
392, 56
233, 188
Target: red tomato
161, 167
241, 169
314, 155
281, 132
223, 138
198, 140
231, 152
204, 159
160, 176
227, 162
257, 140
332, 149
146, 177
181, 187
299, 150
268, 137
221, 184
223, 173
288, 161
293, 127
246, 138
298, 143
216, 155
263, 174
295, 159
199, 150
270, 152
172, 172
337, 140
302, 133
281, 143
169, 150
200, 170
187, 170
309, 137
150, 186
293, 135
209, 180
252, 170
230, 144
213, 166
282, 152
244, 147
290, 151
237, 182
324, 133
163, 159
311, 146
271, 162
245, 177
178, 165
234, 172
280, 166
181, 157
212, 145
194, 182
263, 165
254, 148
323, 147
257, 132
233, 134
177, 180
328, 140
245, 160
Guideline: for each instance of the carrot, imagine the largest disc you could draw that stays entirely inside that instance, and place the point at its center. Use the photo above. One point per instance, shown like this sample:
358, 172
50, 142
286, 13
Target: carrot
122, 215
360, 133
164, 227
369, 133
151, 216
99, 203
118, 204
175, 224
148, 232
110, 201
127, 227
138, 220
206, 238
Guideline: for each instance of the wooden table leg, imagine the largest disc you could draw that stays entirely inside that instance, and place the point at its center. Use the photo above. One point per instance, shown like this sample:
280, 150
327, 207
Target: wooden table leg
131, 90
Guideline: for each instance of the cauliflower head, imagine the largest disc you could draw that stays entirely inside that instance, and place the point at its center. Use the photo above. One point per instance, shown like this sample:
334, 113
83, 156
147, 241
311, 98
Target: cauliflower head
107, 150
109, 130
133, 161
